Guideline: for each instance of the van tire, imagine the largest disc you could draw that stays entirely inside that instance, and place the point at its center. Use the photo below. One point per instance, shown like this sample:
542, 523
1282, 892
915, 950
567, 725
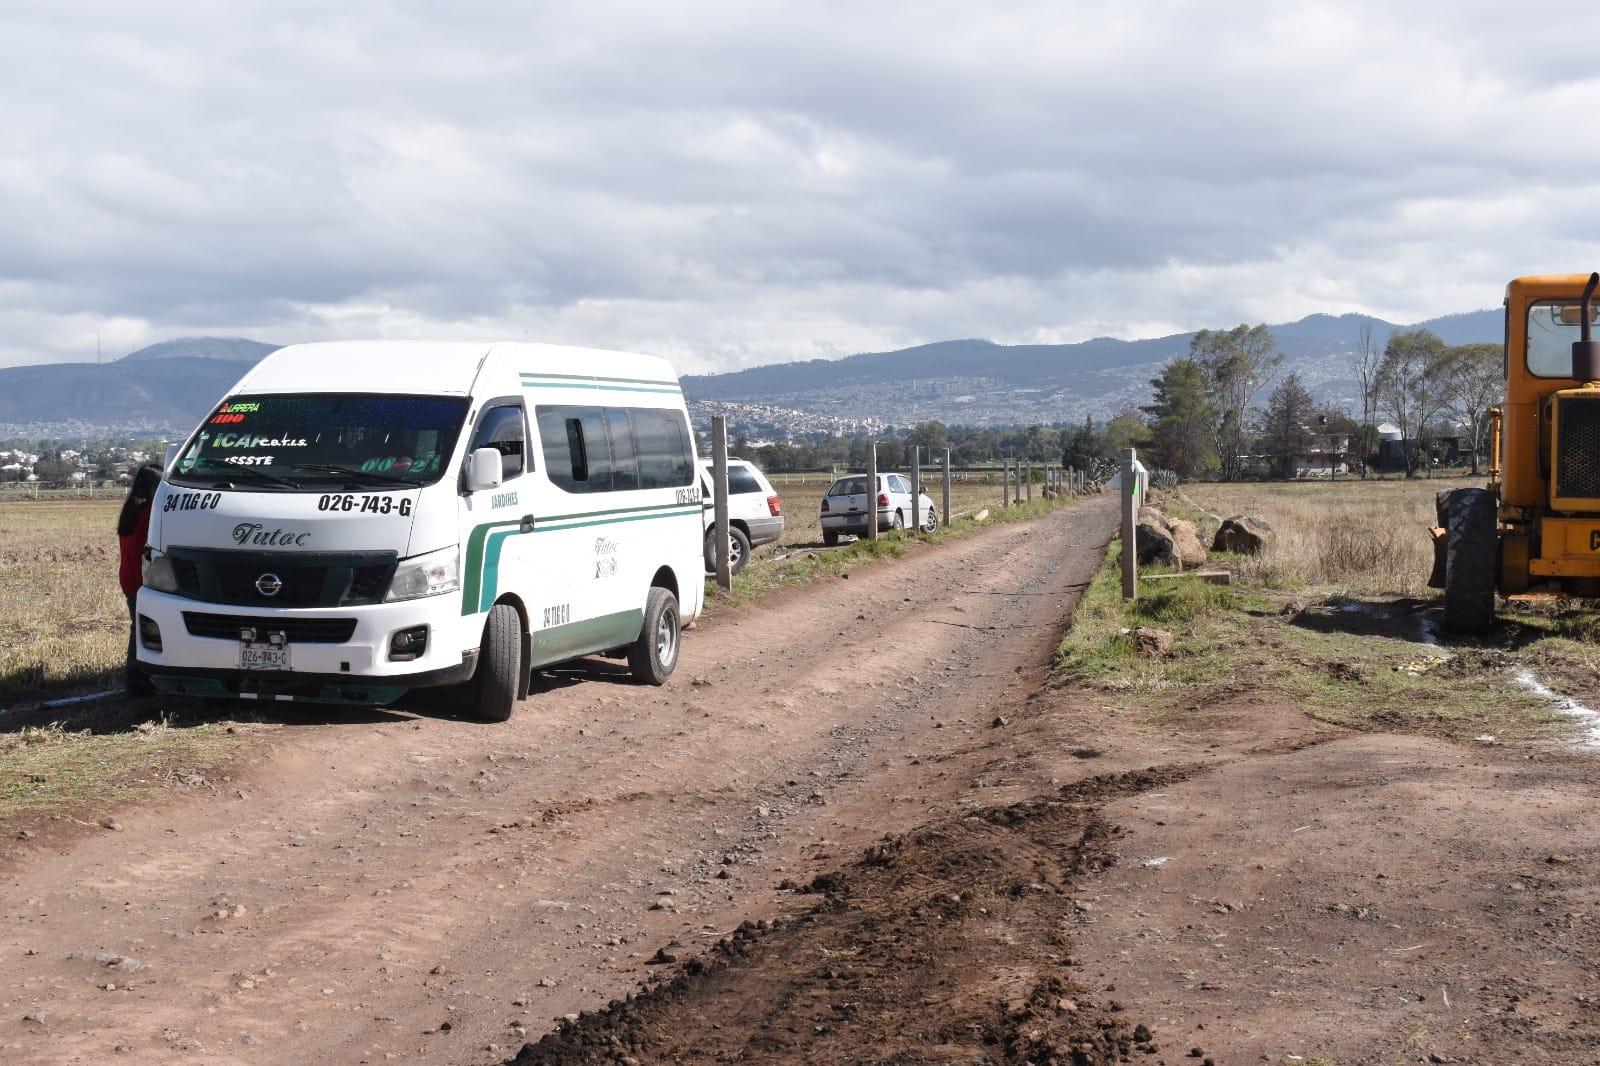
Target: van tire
738, 549
830, 538
499, 665
655, 653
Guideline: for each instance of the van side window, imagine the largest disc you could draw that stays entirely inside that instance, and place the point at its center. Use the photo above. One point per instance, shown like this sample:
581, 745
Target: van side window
613, 449
501, 428
624, 459
666, 459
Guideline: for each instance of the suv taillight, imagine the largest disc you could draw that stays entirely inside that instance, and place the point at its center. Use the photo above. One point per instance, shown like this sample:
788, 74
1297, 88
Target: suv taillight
883, 499
775, 506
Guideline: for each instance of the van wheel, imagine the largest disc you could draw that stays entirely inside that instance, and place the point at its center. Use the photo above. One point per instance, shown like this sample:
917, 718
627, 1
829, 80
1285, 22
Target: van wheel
655, 653
738, 550
499, 665
830, 538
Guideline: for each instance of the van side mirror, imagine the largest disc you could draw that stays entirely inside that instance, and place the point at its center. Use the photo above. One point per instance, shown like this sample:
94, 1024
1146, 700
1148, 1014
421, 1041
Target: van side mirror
171, 457
483, 470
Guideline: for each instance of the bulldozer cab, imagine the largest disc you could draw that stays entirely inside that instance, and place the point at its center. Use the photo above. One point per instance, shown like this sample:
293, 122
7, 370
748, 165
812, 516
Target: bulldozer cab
1537, 524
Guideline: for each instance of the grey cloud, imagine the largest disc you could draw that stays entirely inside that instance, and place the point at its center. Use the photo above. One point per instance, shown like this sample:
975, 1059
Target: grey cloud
729, 183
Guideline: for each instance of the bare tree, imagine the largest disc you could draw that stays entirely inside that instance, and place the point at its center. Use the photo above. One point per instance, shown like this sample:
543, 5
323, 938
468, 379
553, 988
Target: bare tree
1368, 358
1411, 388
1474, 381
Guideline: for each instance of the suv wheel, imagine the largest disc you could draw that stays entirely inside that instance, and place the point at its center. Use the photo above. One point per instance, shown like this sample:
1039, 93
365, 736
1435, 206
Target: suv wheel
738, 550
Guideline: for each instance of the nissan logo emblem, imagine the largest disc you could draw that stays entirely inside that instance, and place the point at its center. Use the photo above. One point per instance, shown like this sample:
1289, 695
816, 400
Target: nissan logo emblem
269, 584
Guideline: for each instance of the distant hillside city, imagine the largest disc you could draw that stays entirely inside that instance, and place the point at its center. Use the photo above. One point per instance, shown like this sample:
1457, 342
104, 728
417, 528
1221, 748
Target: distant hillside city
988, 399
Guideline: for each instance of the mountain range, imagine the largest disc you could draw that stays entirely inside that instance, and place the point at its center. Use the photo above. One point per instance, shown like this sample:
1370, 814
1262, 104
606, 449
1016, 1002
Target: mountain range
170, 385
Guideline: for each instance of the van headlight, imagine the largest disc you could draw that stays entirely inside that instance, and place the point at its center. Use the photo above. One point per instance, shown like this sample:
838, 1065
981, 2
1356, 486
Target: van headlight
155, 572
426, 575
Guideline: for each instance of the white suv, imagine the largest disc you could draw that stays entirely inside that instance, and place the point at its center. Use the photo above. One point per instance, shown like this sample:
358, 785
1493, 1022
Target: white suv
844, 508
755, 514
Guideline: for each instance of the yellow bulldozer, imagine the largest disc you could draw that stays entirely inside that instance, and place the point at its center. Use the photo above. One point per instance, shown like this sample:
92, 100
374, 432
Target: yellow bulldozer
1536, 528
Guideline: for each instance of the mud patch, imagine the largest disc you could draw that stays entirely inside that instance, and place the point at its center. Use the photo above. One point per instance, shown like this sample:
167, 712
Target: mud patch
952, 942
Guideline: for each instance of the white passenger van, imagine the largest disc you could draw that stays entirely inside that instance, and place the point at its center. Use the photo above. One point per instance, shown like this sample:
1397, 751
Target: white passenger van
359, 519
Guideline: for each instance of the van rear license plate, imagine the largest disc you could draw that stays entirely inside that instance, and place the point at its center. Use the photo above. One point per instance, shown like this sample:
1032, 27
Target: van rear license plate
254, 655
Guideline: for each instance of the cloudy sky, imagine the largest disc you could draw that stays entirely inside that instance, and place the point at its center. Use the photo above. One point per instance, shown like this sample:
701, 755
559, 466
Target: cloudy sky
731, 184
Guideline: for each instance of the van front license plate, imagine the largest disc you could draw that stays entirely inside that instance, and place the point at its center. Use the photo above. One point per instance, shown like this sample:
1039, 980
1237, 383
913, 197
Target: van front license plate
254, 655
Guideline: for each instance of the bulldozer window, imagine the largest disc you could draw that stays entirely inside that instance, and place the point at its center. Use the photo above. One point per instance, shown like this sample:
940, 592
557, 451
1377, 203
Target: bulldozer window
1552, 327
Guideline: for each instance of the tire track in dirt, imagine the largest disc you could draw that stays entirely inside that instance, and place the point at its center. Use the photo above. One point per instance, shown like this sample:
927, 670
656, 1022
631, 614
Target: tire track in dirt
406, 890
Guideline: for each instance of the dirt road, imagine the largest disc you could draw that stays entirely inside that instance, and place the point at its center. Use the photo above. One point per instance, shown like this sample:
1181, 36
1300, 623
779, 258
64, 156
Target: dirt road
386, 887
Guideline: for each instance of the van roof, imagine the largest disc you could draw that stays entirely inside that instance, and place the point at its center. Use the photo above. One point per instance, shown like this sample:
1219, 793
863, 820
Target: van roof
431, 367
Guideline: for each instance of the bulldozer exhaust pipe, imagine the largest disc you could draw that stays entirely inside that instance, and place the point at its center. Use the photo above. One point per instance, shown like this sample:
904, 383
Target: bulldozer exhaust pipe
1585, 350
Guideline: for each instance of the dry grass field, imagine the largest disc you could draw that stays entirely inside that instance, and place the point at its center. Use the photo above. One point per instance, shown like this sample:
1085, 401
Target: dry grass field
1358, 537
63, 621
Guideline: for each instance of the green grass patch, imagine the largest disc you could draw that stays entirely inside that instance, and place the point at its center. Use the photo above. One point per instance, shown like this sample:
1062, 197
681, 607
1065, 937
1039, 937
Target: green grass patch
1356, 663
49, 771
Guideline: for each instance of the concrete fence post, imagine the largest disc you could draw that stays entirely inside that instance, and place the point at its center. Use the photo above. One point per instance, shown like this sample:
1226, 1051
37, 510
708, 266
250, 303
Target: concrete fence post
945, 500
1005, 483
872, 491
1130, 526
1030, 480
916, 486
719, 498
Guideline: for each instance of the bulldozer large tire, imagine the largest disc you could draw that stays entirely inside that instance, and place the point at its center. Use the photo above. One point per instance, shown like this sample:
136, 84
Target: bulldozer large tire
1469, 565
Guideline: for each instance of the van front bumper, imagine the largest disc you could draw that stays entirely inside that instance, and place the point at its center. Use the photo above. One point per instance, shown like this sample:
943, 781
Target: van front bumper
357, 669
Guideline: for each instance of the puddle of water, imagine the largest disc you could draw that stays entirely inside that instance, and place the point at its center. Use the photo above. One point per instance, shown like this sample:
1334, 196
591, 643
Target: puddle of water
1586, 716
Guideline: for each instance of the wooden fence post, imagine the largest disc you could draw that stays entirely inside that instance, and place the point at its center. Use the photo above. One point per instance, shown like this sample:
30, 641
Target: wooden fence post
872, 491
945, 514
719, 497
1130, 526
916, 487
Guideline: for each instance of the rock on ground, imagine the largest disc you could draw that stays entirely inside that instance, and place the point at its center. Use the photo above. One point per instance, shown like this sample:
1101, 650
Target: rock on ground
1245, 534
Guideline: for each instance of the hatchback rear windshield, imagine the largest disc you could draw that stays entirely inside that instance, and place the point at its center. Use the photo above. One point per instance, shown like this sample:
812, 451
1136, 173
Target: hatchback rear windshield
848, 486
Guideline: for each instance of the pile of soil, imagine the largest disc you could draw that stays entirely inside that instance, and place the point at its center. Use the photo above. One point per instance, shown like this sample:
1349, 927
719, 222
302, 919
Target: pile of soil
949, 943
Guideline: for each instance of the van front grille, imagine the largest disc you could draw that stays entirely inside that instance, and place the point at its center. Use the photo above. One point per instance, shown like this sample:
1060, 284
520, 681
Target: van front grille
304, 579
294, 630
1578, 450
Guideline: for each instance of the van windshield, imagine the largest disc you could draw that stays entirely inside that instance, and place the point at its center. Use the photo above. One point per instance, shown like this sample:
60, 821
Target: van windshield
307, 441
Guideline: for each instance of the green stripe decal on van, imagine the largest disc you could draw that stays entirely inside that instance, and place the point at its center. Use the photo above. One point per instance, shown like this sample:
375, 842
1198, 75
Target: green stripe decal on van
480, 582
531, 376
585, 636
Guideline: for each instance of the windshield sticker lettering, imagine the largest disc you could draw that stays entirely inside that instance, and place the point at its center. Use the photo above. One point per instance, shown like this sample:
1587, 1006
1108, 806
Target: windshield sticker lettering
245, 440
379, 505
605, 557
248, 460
192, 501
504, 499
254, 533
401, 464
233, 413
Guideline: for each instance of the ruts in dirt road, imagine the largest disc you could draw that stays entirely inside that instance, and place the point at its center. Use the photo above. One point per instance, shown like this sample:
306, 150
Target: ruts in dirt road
390, 887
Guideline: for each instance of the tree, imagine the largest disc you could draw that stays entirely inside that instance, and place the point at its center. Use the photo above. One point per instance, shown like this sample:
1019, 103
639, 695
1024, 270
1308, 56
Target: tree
934, 436
1126, 429
1081, 447
1474, 380
1236, 362
1286, 423
1411, 387
1182, 419
1368, 357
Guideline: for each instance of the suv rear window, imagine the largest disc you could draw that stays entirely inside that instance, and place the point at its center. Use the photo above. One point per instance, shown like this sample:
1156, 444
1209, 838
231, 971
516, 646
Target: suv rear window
848, 486
740, 479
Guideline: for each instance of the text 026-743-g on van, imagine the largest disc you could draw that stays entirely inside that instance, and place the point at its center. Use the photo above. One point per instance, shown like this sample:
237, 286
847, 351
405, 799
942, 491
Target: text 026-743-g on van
359, 519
